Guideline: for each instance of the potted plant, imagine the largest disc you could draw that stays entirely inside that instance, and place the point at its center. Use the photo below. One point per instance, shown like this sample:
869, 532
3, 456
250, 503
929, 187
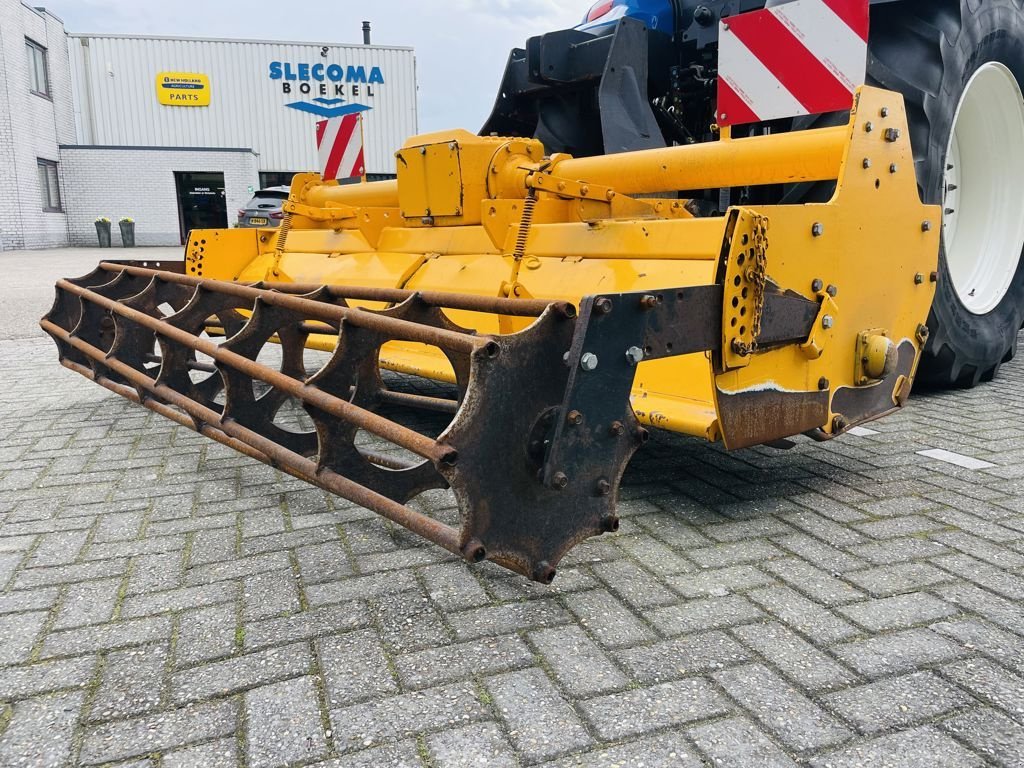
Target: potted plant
103, 231
127, 226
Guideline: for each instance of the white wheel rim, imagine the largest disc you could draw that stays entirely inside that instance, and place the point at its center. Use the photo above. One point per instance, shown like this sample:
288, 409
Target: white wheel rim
983, 219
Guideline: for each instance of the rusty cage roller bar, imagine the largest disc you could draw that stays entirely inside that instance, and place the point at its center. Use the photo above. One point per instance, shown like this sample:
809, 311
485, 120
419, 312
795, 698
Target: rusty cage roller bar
115, 349
538, 440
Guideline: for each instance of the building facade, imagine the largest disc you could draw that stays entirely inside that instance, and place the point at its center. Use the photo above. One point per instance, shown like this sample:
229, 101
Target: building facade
36, 119
174, 133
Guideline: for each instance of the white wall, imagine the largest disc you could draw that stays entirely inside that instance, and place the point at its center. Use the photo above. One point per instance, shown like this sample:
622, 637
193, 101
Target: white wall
116, 101
139, 183
31, 126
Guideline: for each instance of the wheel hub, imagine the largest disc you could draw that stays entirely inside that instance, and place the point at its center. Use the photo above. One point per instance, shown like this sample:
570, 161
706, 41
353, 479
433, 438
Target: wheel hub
983, 219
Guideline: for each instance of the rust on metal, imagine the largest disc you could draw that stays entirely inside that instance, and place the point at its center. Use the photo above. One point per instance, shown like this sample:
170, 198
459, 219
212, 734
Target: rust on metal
536, 432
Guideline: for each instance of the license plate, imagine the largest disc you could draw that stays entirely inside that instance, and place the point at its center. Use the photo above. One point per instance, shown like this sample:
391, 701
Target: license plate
259, 221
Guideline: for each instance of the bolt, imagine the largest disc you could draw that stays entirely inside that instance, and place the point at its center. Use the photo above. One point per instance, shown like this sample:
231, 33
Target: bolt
634, 355
610, 194
589, 361
952, 187
427, 221
816, 285
868, 128
923, 333
648, 302
867, 162
565, 357
451, 145
703, 15
832, 291
918, 279
617, 429
603, 305
423, 150
885, 112
823, 383
818, 229
603, 487
926, 226
575, 418
827, 322
892, 135
949, 211
838, 424
893, 168
584, 191
559, 481
934, 277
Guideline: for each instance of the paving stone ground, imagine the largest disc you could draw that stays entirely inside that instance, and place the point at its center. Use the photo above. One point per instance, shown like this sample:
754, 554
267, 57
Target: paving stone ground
167, 603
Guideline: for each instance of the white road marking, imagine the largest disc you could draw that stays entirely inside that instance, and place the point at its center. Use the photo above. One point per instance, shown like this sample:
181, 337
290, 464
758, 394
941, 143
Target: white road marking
862, 432
955, 458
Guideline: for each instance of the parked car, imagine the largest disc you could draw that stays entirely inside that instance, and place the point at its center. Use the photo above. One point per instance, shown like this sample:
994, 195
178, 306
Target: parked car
264, 210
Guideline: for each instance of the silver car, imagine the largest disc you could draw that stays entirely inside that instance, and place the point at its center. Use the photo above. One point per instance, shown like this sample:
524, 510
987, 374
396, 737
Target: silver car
264, 210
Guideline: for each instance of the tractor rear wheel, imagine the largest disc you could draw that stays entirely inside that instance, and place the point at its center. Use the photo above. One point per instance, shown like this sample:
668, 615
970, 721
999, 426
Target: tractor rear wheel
960, 66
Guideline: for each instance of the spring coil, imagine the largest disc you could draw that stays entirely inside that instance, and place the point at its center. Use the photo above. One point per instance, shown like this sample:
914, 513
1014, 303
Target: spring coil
282, 234
524, 225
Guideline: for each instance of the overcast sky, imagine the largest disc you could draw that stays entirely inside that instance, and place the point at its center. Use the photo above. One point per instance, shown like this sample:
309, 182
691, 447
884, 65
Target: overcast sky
461, 45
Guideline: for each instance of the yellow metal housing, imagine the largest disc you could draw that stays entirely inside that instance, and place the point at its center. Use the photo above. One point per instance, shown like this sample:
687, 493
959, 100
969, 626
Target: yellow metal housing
495, 217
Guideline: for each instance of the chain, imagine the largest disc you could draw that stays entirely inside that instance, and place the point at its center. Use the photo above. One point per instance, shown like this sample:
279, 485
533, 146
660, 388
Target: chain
757, 275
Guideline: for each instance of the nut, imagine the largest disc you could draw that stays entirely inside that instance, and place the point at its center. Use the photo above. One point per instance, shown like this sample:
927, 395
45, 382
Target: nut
589, 361
817, 284
575, 418
823, 383
634, 355
818, 229
603, 305
827, 322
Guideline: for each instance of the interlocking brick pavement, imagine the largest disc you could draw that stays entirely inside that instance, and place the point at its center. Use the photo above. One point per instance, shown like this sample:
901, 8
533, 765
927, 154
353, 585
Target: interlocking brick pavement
165, 602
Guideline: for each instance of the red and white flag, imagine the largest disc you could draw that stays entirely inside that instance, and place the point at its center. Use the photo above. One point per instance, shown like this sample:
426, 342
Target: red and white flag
800, 58
339, 142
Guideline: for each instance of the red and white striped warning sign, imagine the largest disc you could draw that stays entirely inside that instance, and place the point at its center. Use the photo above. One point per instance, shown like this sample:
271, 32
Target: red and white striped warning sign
339, 142
800, 58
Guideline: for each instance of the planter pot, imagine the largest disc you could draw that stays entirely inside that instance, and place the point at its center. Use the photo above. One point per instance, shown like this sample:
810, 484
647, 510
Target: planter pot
103, 233
127, 233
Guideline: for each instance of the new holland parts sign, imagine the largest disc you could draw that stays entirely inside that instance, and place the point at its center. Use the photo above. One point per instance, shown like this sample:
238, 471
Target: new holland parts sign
183, 89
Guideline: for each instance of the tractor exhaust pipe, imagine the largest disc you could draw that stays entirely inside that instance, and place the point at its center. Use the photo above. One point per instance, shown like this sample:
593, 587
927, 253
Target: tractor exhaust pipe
366, 33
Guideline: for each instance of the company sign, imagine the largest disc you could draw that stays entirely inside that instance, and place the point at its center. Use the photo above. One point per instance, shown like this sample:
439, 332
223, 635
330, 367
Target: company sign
183, 89
331, 86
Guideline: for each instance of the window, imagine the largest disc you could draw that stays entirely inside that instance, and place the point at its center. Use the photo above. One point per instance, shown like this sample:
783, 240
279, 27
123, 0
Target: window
276, 178
38, 74
49, 186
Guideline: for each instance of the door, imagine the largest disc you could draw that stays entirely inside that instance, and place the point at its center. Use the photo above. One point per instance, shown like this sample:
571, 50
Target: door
201, 201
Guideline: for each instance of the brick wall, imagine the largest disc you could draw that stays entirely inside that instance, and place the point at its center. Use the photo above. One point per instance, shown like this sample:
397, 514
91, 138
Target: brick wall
139, 183
31, 126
